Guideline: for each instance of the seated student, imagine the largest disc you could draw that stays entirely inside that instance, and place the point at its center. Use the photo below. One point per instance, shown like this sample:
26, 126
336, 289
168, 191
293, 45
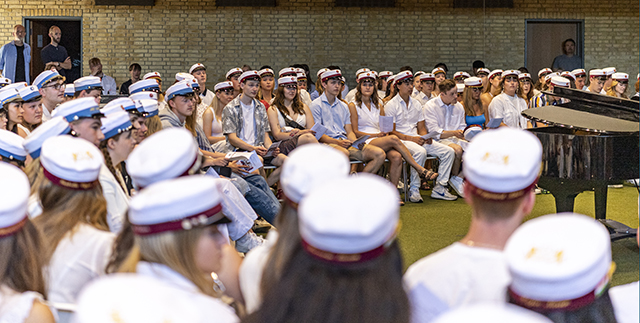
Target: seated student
382, 83
349, 247
446, 116
500, 195
608, 72
69, 92
459, 77
391, 90
333, 114
473, 109
409, 126
365, 111
509, 105
541, 99
77, 242
541, 78
179, 251
619, 85
440, 75
581, 76
10, 102
267, 83
569, 76
232, 76
11, 149
51, 87
212, 117
31, 108
597, 79
427, 82
84, 117
290, 120
88, 87
199, 71
562, 274
352, 93
155, 76
305, 97
492, 89
136, 115
417, 85
23, 288
483, 74
319, 90
149, 109
526, 87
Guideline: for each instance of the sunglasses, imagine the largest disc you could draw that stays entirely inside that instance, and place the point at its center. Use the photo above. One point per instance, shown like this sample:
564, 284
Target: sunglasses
291, 87
623, 82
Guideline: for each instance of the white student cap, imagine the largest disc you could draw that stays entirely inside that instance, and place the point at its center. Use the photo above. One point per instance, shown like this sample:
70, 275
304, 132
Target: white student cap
362, 70
544, 71
437, 70
567, 74
177, 204
287, 80
29, 93
119, 104
547, 78
151, 75
418, 73
166, 154
115, 123
471, 131
233, 71
87, 83
461, 74
248, 75
320, 71
483, 70
331, 74
144, 96
78, 108
223, 85
148, 107
180, 88
265, 72
15, 199
70, 162
497, 72
473, 82
46, 77
301, 76
384, 74
55, 127
579, 72
144, 85
596, 73
4, 82
366, 75
620, 76
310, 166
427, 77
609, 70
490, 312
12, 146
287, 71
560, 81
559, 262
8, 95
502, 164
193, 83
69, 90
510, 73
196, 67
358, 225
403, 76
299, 70
523, 76
183, 76
460, 88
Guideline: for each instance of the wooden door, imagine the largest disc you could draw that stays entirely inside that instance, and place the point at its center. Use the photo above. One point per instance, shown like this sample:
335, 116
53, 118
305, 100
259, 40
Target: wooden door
544, 42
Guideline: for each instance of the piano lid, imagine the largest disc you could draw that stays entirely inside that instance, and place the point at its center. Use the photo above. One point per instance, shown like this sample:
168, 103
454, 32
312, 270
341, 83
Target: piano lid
589, 112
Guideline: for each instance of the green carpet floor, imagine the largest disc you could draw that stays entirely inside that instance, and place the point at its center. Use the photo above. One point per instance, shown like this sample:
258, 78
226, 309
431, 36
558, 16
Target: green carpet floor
435, 224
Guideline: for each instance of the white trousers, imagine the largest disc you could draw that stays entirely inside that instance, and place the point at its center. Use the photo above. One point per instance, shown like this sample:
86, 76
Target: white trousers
444, 153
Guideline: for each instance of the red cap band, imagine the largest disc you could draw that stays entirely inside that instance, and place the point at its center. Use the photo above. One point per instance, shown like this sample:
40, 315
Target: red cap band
542, 306
186, 223
343, 258
76, 186
10, 230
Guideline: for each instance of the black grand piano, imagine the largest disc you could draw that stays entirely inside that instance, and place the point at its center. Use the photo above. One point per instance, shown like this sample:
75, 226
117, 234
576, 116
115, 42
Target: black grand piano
590, 142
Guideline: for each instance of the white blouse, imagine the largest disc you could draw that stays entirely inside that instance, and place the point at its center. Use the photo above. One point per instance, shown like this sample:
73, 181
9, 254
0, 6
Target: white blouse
368, 120
15, 307
301, 119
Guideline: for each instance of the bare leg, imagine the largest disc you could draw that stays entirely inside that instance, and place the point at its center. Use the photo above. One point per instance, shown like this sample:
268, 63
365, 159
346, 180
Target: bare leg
374, 157
392, 142
395, 166
307, 138
455, 168
274, 177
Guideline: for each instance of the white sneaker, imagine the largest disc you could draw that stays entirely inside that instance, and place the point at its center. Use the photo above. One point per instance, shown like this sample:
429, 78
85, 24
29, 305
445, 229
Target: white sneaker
248, 241
615, 186
457, 184
414, 195
442, 193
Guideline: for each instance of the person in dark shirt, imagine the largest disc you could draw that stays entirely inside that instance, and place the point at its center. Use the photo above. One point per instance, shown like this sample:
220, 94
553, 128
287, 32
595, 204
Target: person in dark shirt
54, 54
134, 70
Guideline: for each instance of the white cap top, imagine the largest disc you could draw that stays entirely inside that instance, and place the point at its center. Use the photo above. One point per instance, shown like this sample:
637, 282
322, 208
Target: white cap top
87, 83
15, 199
183, 76
385, 73
418, 73
427, 77
287, 80
559, 257
524, 76
78, 108
310, 166
12, 146
248, 75
195, 67
73, 160
54, 127
144, 96
287, 71
437, 70
4, 81
402, 76
301, 76
362, 217
510, 72
461, 74
366, 75
545, 70
152, 75
265, 72
362, 70
331, 74
596, 72
620, 76
119, 104
497, 72
47, 76
180, 88
233, 71
560, 81
320, 71
69, 90
223, 85
9, 94
483, 70
547, 78
568, 75
460, 88
115, 123
504, 160
473, 82
471, 131
166, 154
579, 72
491, 313
609, 70
148, 107
29, 93
144, 85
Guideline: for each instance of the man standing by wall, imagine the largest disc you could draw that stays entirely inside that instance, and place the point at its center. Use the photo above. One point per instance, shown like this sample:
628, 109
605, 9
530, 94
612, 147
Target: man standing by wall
54, 54
15, 57
568, 61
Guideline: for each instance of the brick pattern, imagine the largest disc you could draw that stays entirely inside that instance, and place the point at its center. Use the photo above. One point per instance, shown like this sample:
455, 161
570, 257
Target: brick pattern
174, 34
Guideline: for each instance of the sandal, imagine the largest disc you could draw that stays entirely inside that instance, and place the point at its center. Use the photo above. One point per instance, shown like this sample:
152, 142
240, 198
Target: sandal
401, 202
424, 186
428, 175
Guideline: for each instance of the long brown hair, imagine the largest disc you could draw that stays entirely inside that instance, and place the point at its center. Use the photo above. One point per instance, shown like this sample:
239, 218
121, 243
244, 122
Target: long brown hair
21, 260
63, 209
153, 125
296, 105
468, 102
374, 97
489, 86
529, 95
34, 174
107, 158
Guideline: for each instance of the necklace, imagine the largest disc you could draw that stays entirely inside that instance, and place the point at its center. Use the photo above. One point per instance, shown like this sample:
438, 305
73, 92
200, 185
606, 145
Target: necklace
472, 243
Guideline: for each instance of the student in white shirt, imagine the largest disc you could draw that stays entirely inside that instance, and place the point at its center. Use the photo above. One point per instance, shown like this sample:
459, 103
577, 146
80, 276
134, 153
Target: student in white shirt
212, 117
597, 78
199, 71
581, 77
509, 105
427, 81
51, 87
492, 89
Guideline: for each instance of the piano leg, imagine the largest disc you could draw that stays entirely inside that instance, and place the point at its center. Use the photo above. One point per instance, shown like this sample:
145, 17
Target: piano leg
600, 201
564, 201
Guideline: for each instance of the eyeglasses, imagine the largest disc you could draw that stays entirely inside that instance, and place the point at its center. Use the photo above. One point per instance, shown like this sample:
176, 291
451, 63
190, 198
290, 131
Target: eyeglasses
291, 87
56, 86
407, 81
226, 91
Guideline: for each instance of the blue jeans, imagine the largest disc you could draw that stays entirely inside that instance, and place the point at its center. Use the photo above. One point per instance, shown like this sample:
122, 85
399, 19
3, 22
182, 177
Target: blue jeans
260, 196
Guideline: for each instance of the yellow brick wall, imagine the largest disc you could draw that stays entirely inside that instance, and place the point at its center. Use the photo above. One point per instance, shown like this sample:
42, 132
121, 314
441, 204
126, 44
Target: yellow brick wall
172, 35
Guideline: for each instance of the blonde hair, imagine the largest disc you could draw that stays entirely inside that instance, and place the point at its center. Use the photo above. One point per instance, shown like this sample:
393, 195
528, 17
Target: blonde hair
612, 90
468, 102
35, 175
21, 260
153, 125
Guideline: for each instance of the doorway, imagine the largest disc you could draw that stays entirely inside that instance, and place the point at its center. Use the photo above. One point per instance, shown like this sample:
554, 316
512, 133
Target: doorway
38, 37
543, 41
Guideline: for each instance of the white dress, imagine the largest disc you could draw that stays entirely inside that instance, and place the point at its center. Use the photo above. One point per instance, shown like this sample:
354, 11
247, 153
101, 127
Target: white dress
368, 120
625, 300
15, 307
80, 257
216, 131
301, 119
251, 270
509, 108
117, 199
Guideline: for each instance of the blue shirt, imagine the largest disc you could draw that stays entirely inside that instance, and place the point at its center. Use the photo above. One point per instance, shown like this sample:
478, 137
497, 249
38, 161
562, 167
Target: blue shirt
479, 120
8, 57
331, 116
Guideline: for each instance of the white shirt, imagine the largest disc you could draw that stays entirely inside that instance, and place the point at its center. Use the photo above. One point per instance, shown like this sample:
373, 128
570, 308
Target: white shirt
248, 132
15, 307
351, 96
405, 117
305, 97
46, 115
423, 98
80, 257
368, 120
509, 108
441, 117
251, 271
109, 86
207, 97
625, 300
455, 276
117, 200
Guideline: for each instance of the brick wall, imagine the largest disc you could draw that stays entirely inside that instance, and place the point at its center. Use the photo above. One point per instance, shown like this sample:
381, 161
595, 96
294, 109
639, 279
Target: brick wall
174, 34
